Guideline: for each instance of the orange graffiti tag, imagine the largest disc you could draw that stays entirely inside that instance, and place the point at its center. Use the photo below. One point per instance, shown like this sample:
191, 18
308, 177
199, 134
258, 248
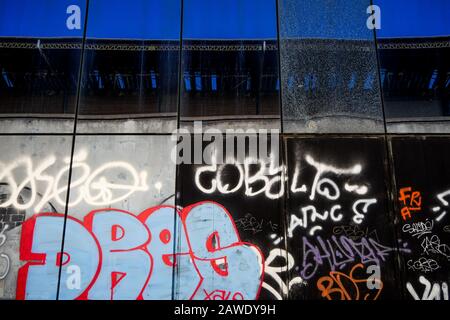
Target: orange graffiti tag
410, 200
346, 287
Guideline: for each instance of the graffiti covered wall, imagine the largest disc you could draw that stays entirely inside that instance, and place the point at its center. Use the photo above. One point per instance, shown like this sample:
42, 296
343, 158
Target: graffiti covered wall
422, 188
336, 218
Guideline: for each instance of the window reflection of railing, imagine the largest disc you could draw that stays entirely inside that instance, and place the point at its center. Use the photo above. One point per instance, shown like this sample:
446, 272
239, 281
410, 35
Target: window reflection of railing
238, 84
22, 91
229, 78
122, 83
217, 77
39, 82
36, 79
415, 78
425, 84
329, 77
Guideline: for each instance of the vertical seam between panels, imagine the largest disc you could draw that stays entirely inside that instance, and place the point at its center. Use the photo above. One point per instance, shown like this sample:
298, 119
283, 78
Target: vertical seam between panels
176, 197
390, 181
280, 92
282, 141
79, 86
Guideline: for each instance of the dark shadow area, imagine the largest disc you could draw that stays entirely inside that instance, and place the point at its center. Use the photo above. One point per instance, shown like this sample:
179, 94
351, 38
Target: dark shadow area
129, 78
39, 76
415, 77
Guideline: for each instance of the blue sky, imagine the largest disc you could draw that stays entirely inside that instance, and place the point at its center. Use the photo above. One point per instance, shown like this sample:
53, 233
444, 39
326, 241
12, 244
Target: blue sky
225, 19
